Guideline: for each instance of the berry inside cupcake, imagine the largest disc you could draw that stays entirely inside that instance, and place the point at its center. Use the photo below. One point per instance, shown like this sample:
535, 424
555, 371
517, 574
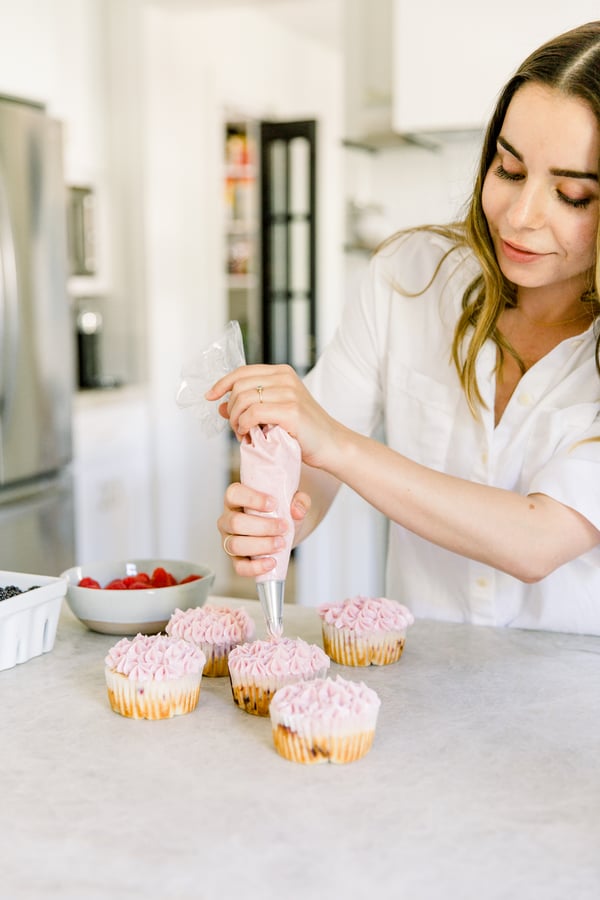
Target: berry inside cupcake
257, 669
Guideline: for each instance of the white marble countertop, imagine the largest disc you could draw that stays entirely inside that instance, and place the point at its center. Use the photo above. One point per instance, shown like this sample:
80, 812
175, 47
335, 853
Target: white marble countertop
483, 781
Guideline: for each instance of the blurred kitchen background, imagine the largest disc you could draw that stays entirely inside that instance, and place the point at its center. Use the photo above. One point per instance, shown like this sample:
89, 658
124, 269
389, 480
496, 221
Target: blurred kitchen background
226, 159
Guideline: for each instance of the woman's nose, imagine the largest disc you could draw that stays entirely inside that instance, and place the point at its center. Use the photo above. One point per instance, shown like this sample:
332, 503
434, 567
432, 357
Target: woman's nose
528, 209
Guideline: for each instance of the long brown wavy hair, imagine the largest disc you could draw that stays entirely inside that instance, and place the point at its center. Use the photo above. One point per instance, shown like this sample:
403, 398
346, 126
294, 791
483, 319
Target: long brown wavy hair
569, 63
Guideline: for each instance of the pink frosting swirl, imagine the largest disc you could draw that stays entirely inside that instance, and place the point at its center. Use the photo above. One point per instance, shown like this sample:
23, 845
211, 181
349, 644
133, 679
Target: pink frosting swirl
155, 658
364, 615
280, 657
325, 698
211, 625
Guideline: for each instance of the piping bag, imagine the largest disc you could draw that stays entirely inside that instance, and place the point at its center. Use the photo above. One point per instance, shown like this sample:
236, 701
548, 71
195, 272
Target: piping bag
270, 459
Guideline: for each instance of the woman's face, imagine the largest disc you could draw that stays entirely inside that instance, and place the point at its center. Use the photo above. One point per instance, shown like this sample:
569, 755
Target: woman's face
540, 195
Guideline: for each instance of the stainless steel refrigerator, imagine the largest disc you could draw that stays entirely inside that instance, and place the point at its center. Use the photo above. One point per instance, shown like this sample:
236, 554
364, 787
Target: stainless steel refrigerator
36, 346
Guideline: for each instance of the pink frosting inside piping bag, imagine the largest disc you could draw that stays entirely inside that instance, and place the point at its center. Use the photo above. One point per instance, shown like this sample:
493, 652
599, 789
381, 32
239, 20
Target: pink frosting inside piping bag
270, 462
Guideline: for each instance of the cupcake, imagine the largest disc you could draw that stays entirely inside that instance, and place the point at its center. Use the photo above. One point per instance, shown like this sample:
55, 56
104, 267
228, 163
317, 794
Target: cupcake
364, 631
153, 677
215, 629
324, 721
258, 669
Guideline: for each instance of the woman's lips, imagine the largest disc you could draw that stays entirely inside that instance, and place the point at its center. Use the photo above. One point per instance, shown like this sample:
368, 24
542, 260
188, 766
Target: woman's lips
519, 254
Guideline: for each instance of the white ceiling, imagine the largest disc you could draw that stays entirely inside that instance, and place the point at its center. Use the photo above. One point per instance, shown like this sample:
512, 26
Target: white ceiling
319, 19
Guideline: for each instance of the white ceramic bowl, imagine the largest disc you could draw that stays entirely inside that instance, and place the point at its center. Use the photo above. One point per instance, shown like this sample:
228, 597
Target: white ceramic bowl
128, 612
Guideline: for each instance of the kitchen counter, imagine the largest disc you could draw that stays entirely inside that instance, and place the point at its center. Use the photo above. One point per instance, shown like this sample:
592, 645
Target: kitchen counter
483, 781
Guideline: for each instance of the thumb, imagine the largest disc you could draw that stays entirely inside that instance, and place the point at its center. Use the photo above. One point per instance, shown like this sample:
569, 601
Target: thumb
300, 505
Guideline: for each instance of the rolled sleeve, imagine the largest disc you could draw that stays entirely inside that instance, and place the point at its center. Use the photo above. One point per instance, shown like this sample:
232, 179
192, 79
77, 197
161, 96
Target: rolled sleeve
573, 478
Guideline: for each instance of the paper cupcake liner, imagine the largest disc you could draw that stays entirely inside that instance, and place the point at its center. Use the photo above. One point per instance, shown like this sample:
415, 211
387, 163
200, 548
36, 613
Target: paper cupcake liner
152, 699
252, 699
216, 659
348, 649
337, 749
255, 698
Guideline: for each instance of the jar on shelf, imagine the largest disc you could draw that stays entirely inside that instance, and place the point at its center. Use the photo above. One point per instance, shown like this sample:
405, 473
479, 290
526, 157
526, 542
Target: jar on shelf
238, 257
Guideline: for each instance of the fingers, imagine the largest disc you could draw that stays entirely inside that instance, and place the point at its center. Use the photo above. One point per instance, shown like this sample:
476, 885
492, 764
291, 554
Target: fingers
249, 539
300, 505
252, 568
252, 375
252, 556
240, 496
251, 389
223, 385
276, 404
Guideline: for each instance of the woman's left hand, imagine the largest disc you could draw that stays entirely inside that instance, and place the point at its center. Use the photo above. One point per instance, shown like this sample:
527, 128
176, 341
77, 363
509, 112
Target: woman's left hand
275, 395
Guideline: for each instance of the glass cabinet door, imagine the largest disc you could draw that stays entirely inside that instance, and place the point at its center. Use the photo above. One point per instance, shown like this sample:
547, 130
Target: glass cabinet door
288, 243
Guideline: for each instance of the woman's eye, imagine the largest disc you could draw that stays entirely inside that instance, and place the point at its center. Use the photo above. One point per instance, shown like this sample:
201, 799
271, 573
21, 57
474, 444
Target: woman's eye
581, 203
501, 172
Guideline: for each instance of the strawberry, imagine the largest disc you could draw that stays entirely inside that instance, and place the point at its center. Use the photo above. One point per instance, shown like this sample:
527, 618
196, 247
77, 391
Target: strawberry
117, 584
162, 578
88, 583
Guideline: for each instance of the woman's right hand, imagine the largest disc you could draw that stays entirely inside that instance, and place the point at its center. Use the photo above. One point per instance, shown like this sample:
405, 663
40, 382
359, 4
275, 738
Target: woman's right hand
251, 539
275, 395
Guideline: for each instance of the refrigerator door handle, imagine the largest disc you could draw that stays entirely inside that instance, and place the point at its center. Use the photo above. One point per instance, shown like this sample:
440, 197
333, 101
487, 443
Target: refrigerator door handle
9, 324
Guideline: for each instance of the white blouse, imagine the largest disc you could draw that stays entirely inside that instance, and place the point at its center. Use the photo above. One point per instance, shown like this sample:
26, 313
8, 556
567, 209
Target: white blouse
389, 365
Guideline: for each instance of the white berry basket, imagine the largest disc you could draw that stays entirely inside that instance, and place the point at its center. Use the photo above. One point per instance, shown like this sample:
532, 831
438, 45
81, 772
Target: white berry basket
28, 621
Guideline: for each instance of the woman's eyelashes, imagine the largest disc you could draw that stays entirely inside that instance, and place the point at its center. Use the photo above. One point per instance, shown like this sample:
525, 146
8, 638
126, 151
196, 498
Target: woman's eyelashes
501, 172
574, 202
579, 203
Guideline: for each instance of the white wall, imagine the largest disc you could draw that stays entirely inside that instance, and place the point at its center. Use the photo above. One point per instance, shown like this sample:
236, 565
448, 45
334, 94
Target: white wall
198, 69
262, 70
51, 51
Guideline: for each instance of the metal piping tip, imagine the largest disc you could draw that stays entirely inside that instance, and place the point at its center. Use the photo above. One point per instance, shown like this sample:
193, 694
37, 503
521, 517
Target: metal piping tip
270, 594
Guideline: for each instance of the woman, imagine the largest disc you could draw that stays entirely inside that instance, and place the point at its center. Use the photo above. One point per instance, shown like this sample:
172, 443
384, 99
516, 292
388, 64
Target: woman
474, 346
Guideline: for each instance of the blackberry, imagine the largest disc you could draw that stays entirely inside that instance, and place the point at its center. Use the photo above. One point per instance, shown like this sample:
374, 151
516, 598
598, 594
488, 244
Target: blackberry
9, 591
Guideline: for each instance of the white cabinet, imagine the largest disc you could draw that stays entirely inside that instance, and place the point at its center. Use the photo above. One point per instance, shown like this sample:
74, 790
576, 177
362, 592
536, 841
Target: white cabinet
112, 471
368, 77
52, 52
414, 68
452, 59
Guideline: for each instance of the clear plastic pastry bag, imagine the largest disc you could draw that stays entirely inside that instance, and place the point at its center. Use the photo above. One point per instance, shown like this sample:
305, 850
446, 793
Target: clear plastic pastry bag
270, 460
219, 358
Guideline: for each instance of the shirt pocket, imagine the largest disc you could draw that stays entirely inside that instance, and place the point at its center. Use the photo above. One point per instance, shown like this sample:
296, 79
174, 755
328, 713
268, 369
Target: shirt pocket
557, 433
420, 415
